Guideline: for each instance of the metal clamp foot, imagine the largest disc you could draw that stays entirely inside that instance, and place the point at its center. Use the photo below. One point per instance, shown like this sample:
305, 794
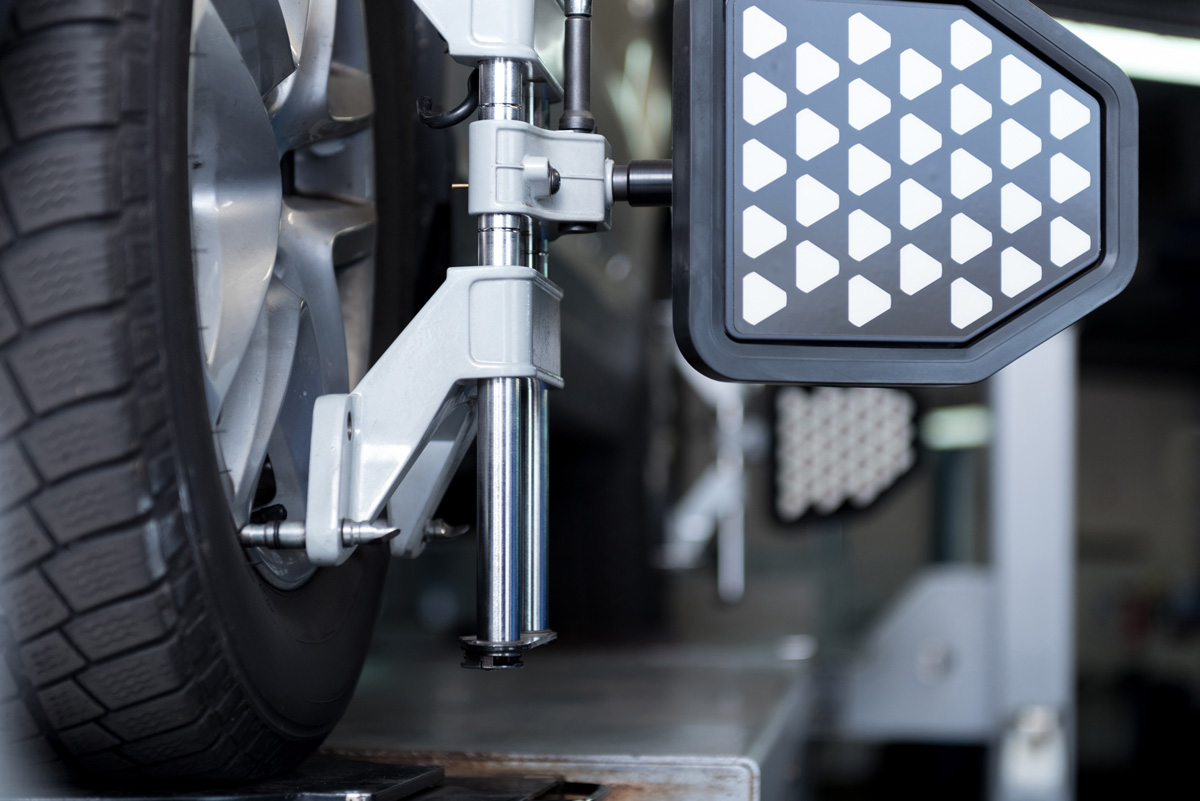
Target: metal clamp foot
501, 655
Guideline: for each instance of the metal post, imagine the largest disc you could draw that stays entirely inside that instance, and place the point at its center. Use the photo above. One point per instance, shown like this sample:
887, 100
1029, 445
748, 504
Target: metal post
535, 541
577, 64
1032, 534
501, 94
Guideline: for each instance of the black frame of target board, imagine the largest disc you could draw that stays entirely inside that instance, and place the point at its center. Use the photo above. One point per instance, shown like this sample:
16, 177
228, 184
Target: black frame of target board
700, 228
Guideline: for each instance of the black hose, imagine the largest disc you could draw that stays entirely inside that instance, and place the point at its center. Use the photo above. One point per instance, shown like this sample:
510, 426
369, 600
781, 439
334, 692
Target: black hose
456, 115
577, 84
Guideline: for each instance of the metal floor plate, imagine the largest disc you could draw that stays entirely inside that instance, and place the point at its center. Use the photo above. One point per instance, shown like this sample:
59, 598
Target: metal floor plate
318, 779
672, 723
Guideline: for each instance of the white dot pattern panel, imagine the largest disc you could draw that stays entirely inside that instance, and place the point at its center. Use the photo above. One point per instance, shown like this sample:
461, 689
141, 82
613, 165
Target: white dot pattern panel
910, 145
814, 134
839, 447
917, 204
761, 33
761, 165
813, 267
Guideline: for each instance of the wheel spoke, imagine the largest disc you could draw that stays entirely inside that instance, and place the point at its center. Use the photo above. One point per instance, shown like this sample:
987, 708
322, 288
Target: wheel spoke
257, 394
295, 16
316, 237
323, 98
236, 199
284, 286
259, 30
290, 442
356, 288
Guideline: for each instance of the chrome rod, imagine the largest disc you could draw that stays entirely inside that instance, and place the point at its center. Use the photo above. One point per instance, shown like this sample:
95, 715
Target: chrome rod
501, 494
535, 595
500, 510
535, 542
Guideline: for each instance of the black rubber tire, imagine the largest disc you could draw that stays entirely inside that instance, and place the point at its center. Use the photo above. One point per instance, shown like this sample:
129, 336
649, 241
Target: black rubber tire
138, 641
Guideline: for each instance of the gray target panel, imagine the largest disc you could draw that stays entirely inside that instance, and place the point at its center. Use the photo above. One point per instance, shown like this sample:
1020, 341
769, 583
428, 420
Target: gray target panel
898, 171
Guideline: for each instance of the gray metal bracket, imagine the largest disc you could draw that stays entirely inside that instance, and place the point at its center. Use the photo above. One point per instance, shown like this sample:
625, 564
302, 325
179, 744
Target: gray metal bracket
924, 672
525, 30
553, 176
483, 322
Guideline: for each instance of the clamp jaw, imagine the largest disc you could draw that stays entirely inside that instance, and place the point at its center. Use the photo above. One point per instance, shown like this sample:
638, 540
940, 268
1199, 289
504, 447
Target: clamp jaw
477, 360
514, 167
521, 30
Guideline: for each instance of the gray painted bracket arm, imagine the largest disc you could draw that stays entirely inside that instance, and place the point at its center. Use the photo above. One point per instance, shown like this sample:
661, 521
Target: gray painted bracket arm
483, 322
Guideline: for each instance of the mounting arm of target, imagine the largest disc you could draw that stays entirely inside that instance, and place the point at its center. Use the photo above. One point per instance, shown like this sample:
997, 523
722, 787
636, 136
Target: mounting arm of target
556, 176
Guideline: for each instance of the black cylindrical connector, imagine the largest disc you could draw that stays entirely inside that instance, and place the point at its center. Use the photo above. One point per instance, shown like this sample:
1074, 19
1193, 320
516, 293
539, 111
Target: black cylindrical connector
577, 66
643, 183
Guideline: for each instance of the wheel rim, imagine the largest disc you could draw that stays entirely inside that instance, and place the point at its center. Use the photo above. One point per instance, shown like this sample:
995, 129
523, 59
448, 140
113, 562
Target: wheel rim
283, 233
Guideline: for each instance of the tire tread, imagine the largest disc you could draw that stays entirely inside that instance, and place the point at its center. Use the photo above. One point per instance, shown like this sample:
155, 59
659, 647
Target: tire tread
109, 660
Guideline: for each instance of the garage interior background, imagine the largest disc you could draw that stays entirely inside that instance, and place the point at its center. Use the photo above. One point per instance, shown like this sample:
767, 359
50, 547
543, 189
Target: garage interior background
629, 437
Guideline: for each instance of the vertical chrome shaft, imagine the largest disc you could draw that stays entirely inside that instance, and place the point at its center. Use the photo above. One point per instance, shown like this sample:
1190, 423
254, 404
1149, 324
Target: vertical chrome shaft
500, 510
535, 594
535, 542
501, 491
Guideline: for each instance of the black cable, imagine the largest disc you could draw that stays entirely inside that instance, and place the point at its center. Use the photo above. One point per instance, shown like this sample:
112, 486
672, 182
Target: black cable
454, 116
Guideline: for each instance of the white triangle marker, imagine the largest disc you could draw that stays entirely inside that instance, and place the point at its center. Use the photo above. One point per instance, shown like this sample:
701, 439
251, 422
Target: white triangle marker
917, 269
1018, 272
917, 205
760, 99
867, 104
967, 303
814, 69
760, 232
1067, 115
814, 134
867, 39
1018, 208
917, 74
967, 109
917, 139
1067, 242
761, 32
866, 170
967, 174
1018, 80
967, 238
813, 266
1067, 179
867, 235
761, 165
1018, 144
814, 200
867, 301
967, 45
760, 298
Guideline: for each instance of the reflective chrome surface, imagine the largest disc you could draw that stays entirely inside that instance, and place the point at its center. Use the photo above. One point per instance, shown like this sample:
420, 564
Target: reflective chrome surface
535, 540
499, 441
283, 229
499, 445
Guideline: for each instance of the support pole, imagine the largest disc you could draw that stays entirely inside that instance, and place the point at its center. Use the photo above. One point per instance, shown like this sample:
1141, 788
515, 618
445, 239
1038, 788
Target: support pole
501, 411
535, 542
1033, 556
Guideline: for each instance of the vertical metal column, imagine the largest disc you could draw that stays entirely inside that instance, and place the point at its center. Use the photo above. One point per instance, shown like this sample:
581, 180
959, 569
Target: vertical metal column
535, 541
501, 95
1032, 533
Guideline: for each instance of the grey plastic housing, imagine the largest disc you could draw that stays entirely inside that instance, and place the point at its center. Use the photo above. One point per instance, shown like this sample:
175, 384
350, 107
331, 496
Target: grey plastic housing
509, 173
702, 230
